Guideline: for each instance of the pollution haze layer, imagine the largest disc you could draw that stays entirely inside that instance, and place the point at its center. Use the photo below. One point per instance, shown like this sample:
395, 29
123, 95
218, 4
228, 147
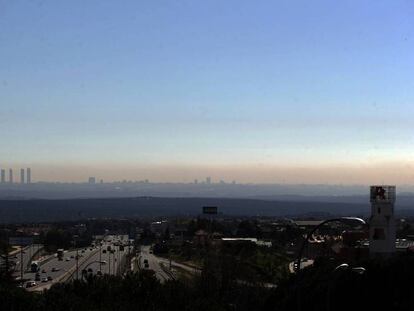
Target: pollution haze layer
299, 169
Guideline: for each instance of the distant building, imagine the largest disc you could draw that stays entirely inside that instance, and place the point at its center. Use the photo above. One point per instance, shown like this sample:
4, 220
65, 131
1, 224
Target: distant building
92, 180
208, 180
29, 175
307, 224
159, 227
200, 238
22, 175
10, 176
382, 231
195, 181
241, 241
3, 176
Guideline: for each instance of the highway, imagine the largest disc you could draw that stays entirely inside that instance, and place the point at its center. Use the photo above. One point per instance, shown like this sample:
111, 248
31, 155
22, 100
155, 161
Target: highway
61, 267
91, 258
27, 253
155, 264
113, 259
161, 265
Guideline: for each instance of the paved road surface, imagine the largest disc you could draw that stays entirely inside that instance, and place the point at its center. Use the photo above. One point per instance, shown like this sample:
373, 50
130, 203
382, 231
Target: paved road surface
27, 254
305, 263
154, 263
113, 259
63, 266
88, 258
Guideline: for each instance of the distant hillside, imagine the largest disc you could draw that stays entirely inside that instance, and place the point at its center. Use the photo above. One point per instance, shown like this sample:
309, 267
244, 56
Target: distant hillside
275, 192
15, 211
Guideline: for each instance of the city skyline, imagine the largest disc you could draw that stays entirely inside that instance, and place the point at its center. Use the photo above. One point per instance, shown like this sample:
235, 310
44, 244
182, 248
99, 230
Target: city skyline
271, 92
397, 173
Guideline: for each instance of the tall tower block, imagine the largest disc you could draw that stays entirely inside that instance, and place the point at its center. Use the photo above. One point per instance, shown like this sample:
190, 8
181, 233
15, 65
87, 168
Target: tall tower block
382, 221
22, 176
29, 175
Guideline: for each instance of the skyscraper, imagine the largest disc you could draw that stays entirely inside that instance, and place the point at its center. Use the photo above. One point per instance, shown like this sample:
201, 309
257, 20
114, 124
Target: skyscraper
10, 175
22, 175
3, 176
208, 180
29, 175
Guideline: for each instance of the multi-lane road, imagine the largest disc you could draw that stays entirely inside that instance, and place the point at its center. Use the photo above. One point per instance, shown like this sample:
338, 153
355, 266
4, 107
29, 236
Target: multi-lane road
110, 258
92, 259
148, 260
55, 268
104, 257
24, 255
163, 268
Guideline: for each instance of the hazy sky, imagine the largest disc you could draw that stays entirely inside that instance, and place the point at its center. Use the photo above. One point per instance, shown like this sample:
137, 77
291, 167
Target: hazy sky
261, 91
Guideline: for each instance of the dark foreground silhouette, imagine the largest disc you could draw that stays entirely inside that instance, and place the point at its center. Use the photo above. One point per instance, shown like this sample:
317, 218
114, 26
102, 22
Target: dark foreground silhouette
386, 285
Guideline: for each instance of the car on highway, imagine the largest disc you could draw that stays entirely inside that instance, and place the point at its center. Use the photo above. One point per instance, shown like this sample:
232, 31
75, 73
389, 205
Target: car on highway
44, 280
43, 270
67, 259
55, 269
104, 251
146, 265
37, 277
30, 284
145, 260
49, 278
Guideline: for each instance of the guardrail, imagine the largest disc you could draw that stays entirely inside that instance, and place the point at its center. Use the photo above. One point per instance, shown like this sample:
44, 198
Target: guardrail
71, 271
65, 276
167, 271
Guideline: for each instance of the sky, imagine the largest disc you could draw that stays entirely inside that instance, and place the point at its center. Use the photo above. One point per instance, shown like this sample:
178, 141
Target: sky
258, 91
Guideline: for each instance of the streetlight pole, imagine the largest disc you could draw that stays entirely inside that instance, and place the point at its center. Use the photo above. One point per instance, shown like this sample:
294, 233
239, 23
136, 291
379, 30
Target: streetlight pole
109, 266
77, 256
341, 219
21, 263
100, 256
91, 263
305, 242
113, 261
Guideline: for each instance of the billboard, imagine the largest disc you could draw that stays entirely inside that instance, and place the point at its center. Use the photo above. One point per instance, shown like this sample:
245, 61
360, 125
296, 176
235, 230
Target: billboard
210, 210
